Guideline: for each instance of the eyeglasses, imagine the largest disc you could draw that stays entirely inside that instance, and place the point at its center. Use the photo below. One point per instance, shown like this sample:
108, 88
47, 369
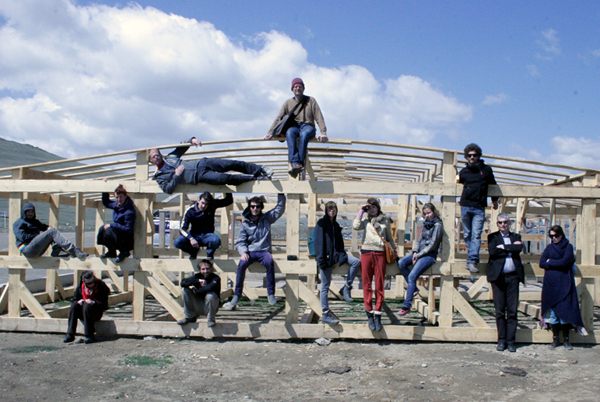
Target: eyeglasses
255, 206
469, 156
502, 222
553, 235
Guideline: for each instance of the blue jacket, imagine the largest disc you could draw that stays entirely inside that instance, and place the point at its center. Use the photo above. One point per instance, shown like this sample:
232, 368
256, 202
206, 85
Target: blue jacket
27, 229
123, 216
255, 236
202, 221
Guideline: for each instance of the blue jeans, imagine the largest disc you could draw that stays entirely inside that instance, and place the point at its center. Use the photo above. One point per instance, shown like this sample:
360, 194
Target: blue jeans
472, 222
300, 133
263, 257
209, 240
411, 276
326, 279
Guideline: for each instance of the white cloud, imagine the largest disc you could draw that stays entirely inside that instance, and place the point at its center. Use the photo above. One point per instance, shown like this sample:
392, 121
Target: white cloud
96, 79
550, 45
596, 53
579, 152
494, 99
533, 70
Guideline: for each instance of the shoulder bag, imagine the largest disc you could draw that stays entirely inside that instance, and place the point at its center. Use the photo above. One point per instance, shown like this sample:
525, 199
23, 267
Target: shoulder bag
287, 120
390, 254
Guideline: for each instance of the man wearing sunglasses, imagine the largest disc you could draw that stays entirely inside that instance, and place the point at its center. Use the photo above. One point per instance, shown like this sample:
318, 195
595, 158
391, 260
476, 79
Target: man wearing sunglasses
504, 272
254, 245
476, 177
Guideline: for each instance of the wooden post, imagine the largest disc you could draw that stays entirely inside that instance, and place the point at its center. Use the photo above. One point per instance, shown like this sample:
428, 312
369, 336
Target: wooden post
51, 274
311, 280
587, 245
14, 275
448, 250
401, 224
292, 248
140, 235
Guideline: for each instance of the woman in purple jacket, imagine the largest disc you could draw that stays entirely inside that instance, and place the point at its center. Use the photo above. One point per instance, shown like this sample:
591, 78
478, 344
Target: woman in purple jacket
119, 234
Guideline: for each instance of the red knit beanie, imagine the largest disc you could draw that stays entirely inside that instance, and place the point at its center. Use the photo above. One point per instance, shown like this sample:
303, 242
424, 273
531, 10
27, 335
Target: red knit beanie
297, 81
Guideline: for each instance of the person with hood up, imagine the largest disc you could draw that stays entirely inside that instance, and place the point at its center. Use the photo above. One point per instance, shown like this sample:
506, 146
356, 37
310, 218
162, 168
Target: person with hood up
34, 237
90, 301
172, 170
424, 254
329, 250
119, 234
254, 244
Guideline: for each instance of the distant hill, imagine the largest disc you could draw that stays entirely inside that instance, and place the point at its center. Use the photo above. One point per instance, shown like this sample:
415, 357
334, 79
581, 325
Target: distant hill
16, 154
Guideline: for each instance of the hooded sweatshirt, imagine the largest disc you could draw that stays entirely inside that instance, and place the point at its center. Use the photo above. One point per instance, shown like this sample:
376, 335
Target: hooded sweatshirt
27, 229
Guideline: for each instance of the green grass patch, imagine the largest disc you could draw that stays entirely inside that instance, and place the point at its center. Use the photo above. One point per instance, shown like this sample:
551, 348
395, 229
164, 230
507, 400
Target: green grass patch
138, 360
35, 349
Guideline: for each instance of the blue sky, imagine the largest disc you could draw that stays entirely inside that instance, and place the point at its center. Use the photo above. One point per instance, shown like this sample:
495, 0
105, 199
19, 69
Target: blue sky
518, 77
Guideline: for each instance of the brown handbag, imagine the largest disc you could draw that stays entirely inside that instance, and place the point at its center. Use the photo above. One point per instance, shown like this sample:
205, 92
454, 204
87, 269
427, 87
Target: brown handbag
390, 254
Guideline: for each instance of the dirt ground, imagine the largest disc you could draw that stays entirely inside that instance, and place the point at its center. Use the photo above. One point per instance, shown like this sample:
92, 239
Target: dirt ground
40, 367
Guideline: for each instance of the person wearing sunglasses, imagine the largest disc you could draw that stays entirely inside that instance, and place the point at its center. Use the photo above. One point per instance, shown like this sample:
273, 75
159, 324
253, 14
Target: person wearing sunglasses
475, 177
254, 245
560, 304
504, 272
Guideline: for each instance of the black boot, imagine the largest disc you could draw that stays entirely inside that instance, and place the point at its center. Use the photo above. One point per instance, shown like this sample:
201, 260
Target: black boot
565, 330
378, 325
371, 321
555, 335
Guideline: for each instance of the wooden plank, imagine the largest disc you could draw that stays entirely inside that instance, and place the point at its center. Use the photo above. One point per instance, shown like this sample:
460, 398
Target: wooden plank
446, 300
310, 298
4, 299
292, 290
475, 288
167, 283
117, 280
164, 298
31, 303
293, 225
139, 295
467, 311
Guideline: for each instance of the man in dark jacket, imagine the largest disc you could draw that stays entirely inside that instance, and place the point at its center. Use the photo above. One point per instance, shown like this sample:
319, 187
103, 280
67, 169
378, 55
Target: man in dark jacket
33, 237
504, 272
118, 235
329, 250
201, 294
201, 217
89, 304
254, 245
171, 170
475, 177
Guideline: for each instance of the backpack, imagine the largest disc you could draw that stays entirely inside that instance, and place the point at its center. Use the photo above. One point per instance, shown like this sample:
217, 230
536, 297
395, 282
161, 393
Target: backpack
311, 244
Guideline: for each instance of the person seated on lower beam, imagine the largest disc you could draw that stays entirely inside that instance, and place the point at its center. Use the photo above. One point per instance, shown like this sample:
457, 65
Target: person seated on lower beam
89, 303
330, 251
34, 237
172, 170
254, 244
119, 234
201, 217
201, 294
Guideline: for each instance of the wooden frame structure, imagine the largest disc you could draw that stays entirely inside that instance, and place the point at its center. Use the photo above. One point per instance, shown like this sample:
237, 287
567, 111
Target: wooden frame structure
347, 171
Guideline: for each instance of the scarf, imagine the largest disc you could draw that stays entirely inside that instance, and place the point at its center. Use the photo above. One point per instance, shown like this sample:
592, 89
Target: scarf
88, 293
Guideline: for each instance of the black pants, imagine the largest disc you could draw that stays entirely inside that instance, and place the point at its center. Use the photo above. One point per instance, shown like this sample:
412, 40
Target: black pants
115, 239
506, 302
212, 171
88, 313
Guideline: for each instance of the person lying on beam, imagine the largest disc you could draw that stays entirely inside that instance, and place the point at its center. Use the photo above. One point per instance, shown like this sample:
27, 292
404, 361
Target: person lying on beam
172, 170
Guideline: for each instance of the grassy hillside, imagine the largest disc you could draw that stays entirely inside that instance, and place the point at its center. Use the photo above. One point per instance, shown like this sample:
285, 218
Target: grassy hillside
15, 154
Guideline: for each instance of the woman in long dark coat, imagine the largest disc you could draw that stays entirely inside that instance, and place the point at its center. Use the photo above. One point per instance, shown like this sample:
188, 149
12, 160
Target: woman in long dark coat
560, 305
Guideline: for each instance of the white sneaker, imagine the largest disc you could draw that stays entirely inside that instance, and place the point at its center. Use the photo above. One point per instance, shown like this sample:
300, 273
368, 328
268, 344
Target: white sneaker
582, 331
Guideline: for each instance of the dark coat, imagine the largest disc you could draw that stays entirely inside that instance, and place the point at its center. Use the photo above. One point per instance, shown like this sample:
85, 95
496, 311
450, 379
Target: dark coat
123, 215
212, 284
165, 176
101, 295
27, 229
202, 221
476, 178
558, 291
329, 243
498, 255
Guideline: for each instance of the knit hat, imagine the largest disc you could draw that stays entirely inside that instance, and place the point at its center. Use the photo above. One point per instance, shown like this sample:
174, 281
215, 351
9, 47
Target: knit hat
297, 81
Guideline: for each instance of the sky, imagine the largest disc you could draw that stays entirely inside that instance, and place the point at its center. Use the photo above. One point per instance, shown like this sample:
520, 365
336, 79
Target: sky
520, 78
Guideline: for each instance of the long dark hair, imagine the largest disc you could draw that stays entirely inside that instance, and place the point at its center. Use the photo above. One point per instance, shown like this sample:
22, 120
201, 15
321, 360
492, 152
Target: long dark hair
430, 206
558, 230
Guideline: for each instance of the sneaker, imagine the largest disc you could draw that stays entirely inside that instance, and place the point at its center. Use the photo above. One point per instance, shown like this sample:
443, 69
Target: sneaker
59, 252
472, 267
346, 291
415, 294
272, 300
210, 323
329, 319
76, 252
186, 321
582, 331
267, 171
122, 255
295, 170
109, 254
68, 338
263, 177
89, 339
403, 311
231, 304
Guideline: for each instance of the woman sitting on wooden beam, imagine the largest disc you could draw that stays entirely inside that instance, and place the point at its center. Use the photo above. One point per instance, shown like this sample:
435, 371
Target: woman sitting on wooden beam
119, 234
